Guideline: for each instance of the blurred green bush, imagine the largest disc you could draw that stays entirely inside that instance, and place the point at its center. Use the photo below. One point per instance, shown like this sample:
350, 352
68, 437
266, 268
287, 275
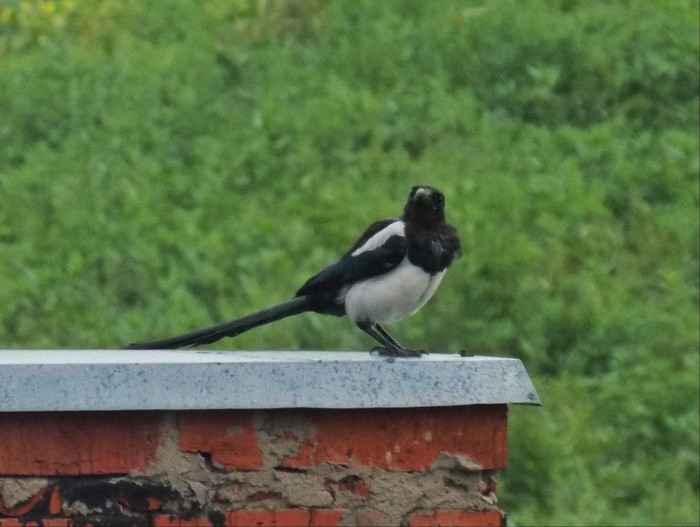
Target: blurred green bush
166, 165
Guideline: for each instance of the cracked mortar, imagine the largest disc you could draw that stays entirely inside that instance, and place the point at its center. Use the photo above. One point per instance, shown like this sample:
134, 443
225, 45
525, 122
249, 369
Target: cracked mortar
188, 484
282, 434
195, 486
16, 491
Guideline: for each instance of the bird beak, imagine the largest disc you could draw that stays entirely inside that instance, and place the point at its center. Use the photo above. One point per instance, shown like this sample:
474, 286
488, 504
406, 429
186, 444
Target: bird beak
421, 192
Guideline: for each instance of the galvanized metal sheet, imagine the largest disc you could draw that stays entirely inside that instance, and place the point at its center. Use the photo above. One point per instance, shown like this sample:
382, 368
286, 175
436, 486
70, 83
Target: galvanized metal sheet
64, 380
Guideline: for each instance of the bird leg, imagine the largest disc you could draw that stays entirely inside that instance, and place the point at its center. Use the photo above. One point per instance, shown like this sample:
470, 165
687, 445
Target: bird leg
406, 352
390, 347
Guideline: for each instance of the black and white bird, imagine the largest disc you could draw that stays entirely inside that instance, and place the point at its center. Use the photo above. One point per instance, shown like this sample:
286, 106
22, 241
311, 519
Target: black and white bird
390, 272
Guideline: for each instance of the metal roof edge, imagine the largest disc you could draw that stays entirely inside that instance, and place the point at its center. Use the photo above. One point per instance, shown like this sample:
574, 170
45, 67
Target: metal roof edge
89, 380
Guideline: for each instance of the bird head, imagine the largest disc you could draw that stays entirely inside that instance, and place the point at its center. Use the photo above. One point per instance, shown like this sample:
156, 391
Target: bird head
425, 206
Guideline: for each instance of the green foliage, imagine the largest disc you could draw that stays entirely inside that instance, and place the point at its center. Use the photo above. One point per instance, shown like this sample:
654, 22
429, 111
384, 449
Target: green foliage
585, 460
166, 165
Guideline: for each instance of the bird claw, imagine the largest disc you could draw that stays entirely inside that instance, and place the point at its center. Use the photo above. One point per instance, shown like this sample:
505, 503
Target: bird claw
397, 352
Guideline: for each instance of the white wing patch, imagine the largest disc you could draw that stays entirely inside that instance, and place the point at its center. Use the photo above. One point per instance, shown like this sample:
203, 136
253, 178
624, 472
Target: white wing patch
398, 228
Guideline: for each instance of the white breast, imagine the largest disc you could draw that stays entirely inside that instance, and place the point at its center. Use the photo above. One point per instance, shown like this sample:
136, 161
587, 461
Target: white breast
391, 296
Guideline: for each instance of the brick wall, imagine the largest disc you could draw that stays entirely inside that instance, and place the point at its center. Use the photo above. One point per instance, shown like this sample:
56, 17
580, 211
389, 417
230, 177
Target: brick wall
315, 467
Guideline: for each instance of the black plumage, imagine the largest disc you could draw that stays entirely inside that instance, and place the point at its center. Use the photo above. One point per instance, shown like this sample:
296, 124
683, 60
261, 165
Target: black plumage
388, 273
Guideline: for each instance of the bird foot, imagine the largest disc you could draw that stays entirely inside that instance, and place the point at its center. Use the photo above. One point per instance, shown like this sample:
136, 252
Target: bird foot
397, 352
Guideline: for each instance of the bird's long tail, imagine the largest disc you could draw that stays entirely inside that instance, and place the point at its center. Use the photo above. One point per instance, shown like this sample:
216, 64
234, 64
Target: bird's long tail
296, 305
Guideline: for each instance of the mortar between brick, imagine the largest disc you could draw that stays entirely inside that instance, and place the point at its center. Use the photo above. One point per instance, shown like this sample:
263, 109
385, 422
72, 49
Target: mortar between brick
193, 486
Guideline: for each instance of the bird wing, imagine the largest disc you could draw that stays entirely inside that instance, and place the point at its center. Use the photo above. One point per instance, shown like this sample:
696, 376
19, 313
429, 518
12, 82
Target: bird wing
371, 231
379, 250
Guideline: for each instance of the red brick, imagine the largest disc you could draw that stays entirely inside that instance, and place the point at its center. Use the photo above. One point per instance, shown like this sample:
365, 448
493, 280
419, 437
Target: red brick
169, 520
352, 484
326, 517
254, 518
144, 504
275, 518
261, 496
153, 504
77, 443
450, 518
228, 435
21, 522
55, 502
404, 438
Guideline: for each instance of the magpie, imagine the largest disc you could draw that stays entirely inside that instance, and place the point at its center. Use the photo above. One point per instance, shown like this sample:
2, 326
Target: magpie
390, 272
